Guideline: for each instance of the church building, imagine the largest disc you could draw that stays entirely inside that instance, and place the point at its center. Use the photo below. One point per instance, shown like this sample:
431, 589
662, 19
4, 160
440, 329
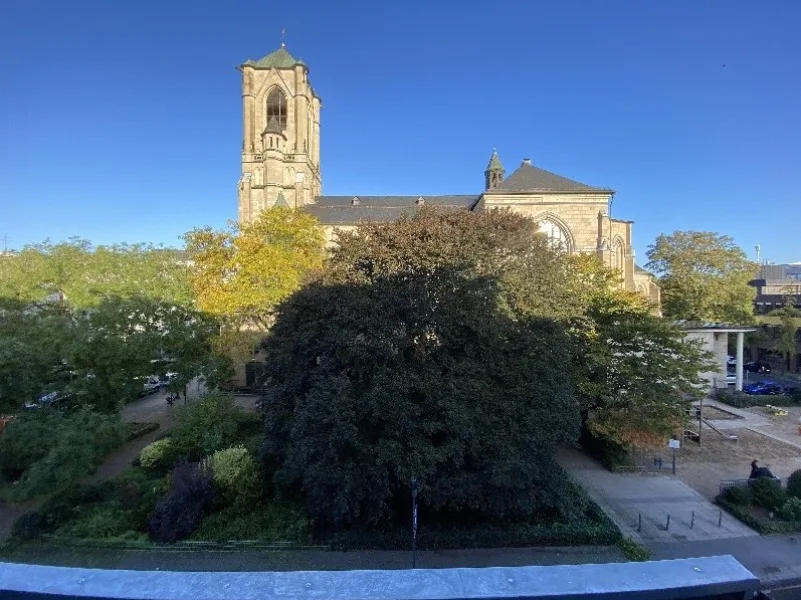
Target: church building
281, 167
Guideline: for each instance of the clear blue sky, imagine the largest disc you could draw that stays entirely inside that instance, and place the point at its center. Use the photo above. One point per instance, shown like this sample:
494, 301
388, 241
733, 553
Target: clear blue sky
120, 121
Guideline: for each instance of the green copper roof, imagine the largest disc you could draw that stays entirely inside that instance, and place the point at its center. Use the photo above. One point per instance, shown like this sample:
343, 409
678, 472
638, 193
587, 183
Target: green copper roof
495, 162
281, 201
280, 59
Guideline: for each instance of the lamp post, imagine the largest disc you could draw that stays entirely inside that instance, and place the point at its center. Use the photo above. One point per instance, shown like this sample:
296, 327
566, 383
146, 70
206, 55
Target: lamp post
414, 522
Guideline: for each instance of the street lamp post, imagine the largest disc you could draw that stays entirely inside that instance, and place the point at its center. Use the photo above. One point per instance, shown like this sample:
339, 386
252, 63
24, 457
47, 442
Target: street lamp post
414, 522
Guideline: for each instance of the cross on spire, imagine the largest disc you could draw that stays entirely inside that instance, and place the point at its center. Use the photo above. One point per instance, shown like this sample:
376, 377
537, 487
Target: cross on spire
283, 37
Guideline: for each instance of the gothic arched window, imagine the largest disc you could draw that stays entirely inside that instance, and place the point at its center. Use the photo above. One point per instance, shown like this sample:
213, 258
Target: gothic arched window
556, 236
619, 255
276, 108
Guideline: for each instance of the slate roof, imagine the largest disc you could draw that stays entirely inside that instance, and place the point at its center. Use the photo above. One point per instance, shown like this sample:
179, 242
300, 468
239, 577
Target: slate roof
351, 210
639, 269
280, 59
529, 178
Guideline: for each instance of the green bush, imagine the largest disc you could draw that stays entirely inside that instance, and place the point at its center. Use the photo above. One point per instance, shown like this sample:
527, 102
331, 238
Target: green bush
791, 510
206, 425
157, 455
633, 551
738, 495
764, 526
768, 493
236, 475
77, 444
101, 522
57, 510
794, 484
28, 527
276, 522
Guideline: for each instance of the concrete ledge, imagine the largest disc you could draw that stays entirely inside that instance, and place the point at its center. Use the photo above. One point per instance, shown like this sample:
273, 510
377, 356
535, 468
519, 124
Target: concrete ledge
661, 580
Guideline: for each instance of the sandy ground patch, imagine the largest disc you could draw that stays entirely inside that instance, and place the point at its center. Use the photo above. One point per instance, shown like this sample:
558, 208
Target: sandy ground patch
785, 428
702, 467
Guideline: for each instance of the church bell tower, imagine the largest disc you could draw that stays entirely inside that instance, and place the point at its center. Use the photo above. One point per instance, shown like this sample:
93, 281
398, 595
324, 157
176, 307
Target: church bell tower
281, 135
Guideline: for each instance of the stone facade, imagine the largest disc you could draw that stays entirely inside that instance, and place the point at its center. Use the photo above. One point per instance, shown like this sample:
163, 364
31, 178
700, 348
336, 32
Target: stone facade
281, 166
280, 137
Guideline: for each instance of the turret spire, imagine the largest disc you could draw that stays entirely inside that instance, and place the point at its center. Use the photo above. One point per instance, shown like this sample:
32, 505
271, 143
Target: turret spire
494, 173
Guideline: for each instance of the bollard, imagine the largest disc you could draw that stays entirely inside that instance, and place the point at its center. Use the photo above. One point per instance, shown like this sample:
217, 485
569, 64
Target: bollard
720, 517
692, 521
639, 522
667, 525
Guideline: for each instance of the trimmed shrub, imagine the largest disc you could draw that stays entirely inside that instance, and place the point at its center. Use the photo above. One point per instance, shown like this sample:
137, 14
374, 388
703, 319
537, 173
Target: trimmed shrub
156, 455
794, 484
178, 514
136, 429
206, 425
791, 510
738, 495
768, 493
236, 475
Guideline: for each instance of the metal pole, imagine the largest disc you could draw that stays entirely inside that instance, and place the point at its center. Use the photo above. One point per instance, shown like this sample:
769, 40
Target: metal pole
692, 522
639, 522
700, 418
720, 517
667, 526
674, 461
414, 522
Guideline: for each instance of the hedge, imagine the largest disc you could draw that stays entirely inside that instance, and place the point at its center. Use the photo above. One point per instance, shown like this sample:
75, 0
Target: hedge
743, 400
135, 429
763, 526
594, 529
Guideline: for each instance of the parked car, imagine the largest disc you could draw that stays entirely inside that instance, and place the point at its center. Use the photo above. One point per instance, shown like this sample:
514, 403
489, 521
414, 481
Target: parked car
58, 399
764, 388
731, 361
759, 366
150, 385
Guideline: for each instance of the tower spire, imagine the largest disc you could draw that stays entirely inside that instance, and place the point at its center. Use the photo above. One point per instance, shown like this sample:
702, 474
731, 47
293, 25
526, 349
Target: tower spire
494, 173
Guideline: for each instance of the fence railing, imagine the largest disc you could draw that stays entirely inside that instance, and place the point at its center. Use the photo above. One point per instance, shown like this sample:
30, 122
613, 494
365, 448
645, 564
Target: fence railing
742, 483
710, 578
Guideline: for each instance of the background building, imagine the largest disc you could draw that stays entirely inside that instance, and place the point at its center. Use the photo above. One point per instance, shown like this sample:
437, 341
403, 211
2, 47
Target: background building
281, 167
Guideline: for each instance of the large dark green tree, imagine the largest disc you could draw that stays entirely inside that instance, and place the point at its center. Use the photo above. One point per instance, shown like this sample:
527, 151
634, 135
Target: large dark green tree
704, 276
418, 355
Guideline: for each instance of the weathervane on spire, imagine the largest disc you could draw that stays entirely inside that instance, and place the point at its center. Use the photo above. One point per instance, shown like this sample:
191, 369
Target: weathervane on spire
283, 37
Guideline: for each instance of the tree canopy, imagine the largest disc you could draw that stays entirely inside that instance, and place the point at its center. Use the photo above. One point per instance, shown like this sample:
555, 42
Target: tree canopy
704, 276
98, 353
409, 366
241, 273
86, 274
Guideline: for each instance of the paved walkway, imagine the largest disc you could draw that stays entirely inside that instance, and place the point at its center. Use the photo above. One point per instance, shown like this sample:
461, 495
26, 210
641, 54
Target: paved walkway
629, 497
771, 558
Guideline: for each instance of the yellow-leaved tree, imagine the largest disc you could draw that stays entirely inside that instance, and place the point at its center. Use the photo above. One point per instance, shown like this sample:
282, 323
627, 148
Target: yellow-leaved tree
241, 273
